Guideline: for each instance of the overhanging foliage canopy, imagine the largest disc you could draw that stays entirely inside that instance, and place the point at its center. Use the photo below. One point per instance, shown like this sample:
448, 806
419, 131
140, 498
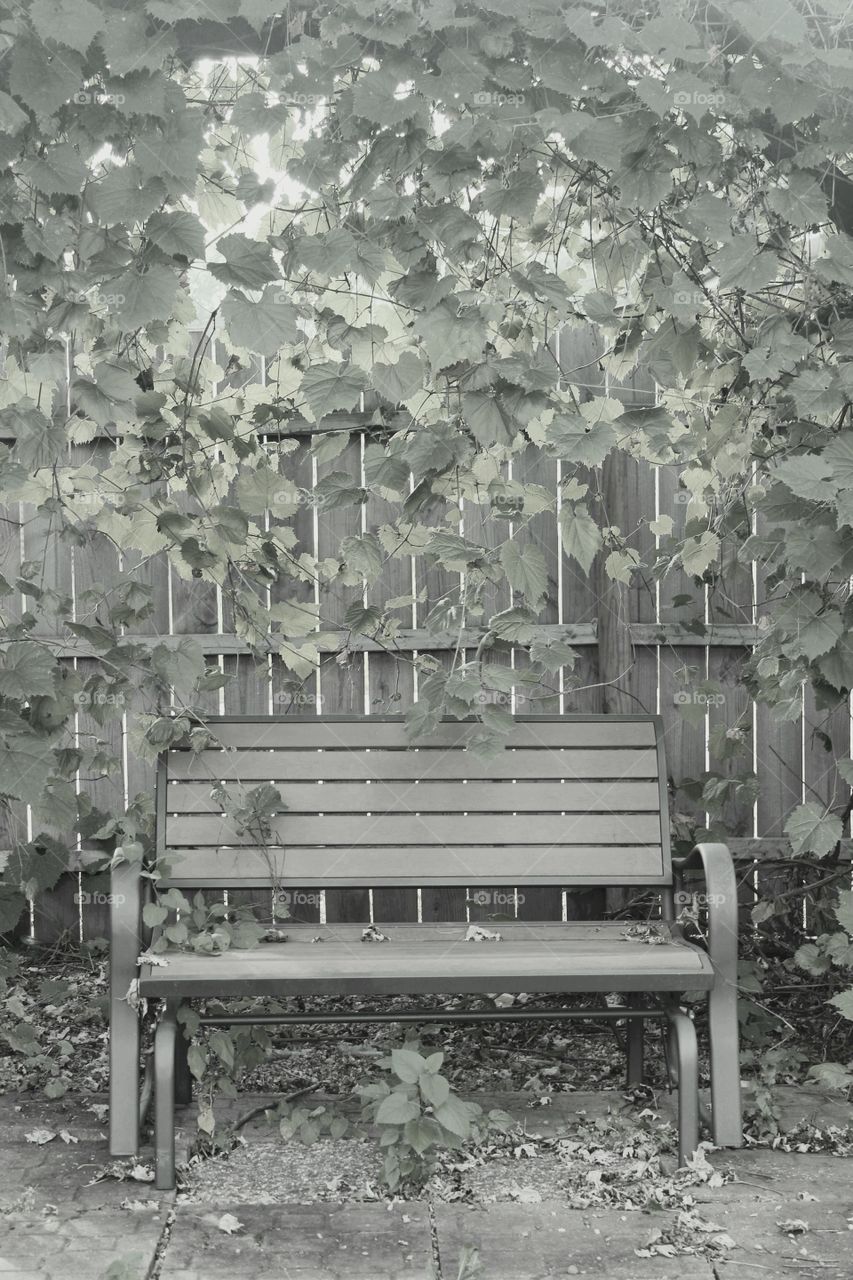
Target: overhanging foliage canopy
401, 205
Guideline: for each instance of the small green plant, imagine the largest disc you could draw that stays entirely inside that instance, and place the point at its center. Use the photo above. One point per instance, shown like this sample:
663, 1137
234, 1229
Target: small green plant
309, 1124
201, 926
418, 1116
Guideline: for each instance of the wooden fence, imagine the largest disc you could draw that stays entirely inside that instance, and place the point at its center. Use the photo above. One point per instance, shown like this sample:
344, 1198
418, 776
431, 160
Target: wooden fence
647, 646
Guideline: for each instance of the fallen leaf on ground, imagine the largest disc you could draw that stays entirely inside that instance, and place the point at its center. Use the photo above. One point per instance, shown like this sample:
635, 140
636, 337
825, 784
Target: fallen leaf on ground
227, 1223
40, 1136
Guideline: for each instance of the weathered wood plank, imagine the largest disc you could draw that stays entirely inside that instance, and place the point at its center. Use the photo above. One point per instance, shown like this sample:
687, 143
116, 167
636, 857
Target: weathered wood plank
416, 866
353, 830
298, 766
439, 797
373, 732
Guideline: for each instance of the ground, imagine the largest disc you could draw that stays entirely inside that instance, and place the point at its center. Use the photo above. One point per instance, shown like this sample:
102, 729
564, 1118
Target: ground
583, 1184
559, 1205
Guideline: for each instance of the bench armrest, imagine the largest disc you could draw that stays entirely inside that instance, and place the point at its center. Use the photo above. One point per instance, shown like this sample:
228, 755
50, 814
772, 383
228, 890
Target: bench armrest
715, 861
126, 891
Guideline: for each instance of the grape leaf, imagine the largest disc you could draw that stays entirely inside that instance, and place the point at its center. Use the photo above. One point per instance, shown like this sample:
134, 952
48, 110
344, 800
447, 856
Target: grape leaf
813, 831
327, 386
26, 671
60, 172
143, 296
264, 326
247, 262
179, 234
524, 566
580, 535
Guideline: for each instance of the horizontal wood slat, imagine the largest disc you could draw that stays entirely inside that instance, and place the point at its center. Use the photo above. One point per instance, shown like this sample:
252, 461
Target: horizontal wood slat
217, 643
353, 831
299, 766
342, 965
292, 733
417, 866
437, 797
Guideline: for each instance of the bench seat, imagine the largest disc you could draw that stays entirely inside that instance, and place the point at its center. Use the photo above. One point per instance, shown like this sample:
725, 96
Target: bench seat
434, 959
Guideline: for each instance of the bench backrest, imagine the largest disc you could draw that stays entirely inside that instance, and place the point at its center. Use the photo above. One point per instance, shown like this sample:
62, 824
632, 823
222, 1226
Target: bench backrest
569, 800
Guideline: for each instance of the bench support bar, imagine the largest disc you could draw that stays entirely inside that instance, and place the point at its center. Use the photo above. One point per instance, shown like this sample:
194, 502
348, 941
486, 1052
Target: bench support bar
165, 1044
715, 861
684, 1052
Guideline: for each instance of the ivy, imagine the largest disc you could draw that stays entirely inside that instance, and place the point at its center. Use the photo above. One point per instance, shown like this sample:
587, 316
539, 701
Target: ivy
396, 216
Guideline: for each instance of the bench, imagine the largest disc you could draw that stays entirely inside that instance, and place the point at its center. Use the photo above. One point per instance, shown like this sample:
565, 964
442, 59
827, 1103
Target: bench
569, 801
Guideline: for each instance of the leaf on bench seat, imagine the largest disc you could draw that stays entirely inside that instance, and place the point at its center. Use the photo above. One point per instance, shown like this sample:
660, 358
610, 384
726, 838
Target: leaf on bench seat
372, 934
476, 933
654, 934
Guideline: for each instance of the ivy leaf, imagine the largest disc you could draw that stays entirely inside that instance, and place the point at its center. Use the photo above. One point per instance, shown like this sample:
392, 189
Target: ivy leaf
838, 455
376, 97
264, 326
697, 554
514, 625
61, 171
451, 334
836, 667
124, 195
517, 199
488, 419
397, 382
580, 535
143, 296
12, 118
815, 634
230, 523
384, 471
26, 763
179, 234
811, 830
328, 386
844, 911
26, 672
573, 439
247, 262
844, 1003
808, 475
553, 654
41, 79
74, 23
338, 490
524, 566
362, 619
38, 440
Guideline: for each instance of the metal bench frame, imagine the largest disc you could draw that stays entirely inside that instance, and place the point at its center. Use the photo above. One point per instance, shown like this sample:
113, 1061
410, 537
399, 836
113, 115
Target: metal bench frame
171, 1077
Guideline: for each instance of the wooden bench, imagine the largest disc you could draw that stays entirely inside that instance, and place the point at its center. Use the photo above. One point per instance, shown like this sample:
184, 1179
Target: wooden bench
569, 801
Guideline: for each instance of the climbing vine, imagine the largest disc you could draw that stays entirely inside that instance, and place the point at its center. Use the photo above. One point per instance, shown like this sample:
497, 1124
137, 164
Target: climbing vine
393, 211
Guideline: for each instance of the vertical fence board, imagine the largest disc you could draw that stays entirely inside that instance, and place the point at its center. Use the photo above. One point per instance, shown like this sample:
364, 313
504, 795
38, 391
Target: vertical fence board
341, 676
541, 902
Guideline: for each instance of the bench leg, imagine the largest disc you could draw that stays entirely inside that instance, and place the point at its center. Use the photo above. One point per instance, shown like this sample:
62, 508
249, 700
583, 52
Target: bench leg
684, 1053
124, 1078
726, 1106
124, 1018
164, 1098
636, 1027
183, 1076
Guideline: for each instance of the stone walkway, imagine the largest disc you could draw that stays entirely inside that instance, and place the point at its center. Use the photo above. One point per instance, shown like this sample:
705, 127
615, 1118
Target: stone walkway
56, 1224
